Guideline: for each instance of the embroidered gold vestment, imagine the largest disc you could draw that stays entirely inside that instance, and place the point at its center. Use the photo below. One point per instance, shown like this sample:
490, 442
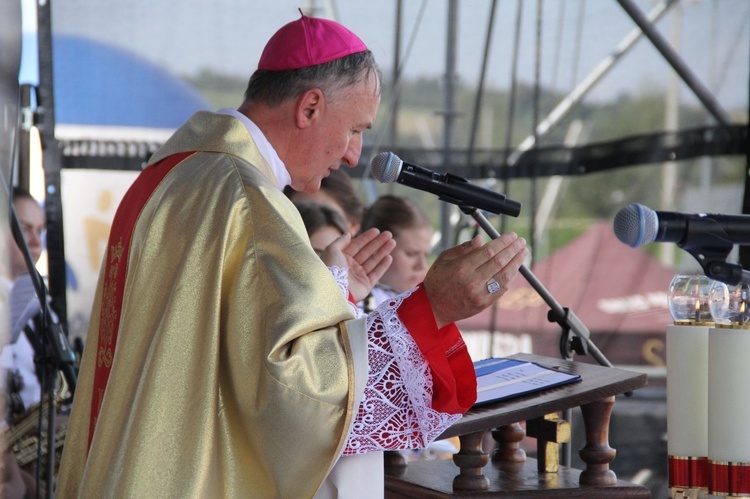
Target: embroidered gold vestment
232, 371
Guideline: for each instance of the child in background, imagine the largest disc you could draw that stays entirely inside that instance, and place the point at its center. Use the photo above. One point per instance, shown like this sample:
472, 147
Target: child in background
324, 224
336, 191
412, 232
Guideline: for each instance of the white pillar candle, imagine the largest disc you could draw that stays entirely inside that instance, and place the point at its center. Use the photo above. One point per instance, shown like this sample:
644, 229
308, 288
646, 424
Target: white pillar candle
729, 402
687, 385
687, 407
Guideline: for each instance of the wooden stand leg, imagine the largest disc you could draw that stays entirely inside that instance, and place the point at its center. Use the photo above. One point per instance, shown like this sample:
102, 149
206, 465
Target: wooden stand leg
471, 459
597, 454
393, 459
508, 440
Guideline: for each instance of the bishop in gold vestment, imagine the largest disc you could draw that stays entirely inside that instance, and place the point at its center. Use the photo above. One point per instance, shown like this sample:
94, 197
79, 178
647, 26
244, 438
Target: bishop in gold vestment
224, 359
203, 374
225, 335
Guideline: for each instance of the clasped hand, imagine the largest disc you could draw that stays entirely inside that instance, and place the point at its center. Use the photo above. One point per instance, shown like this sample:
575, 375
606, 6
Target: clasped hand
456, 284
367, 256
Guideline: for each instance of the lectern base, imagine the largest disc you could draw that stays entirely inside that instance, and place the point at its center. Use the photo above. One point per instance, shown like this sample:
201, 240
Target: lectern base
434, 479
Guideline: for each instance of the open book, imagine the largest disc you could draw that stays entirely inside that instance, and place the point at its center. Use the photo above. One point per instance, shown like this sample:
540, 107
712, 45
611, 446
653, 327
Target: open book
499, 379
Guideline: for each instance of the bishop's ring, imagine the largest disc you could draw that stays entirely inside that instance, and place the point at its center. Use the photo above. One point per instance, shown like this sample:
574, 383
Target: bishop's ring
492, 286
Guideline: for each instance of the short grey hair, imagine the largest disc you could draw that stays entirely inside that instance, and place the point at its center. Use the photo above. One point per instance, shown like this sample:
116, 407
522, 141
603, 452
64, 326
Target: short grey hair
275, 87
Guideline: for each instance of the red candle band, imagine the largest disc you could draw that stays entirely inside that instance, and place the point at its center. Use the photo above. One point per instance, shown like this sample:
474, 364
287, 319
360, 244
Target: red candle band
688, 472
728, 478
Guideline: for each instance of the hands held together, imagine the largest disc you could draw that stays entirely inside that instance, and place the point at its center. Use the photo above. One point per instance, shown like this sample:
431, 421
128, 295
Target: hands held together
463, 281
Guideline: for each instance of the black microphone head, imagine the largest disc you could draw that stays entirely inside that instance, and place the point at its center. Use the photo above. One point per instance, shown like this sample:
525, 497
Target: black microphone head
386, 166
636, 225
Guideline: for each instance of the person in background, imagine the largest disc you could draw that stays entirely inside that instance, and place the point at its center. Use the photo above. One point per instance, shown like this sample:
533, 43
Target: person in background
412, 232
18, 365
224, 358
17, 356
323, 224
337, 191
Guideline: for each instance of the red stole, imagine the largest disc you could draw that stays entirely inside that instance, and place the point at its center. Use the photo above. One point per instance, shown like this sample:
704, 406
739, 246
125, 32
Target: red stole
115, 273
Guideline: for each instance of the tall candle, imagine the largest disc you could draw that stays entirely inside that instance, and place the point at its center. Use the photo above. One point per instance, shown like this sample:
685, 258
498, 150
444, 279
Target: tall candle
687, 407
687, 385
729, 391
729, 403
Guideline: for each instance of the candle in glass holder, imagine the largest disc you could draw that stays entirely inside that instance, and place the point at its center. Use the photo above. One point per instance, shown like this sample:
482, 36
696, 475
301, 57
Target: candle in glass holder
729, 391
687, 385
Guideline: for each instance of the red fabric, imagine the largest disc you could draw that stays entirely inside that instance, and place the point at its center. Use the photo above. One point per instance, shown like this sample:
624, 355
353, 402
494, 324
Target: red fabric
116, 267
453, 376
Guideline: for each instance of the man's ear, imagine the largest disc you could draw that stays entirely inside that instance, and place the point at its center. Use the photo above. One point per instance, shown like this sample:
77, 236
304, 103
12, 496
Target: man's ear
309, 106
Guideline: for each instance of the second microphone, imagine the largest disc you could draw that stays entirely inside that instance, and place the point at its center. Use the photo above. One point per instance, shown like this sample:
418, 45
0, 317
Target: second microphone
387, 167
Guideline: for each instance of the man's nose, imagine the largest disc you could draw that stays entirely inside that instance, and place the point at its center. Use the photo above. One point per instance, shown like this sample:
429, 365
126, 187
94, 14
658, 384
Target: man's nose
353, 152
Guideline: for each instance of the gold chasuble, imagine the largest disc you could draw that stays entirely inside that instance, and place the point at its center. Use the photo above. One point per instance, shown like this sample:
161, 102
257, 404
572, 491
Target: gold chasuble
217, 362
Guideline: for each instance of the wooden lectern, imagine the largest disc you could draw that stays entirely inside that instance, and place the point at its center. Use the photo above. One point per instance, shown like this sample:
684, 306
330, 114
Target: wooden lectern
508, 473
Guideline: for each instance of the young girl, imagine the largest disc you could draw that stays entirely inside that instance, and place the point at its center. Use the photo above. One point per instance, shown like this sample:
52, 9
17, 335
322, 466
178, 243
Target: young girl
323, 224
412, 232
337, 191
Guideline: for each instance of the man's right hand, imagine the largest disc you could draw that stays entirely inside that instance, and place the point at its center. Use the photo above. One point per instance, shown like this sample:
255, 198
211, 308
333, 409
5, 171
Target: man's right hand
456, 284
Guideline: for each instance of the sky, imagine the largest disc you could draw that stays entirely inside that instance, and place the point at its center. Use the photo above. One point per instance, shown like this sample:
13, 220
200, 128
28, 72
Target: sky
228, 36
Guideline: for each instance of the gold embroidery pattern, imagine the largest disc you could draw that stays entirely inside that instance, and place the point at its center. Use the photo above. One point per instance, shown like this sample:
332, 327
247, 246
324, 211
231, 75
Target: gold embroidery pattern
109, 313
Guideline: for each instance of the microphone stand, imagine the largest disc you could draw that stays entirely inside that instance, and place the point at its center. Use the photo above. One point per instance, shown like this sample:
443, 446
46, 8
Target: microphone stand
729, 273
567, 319
57, 355
710, 245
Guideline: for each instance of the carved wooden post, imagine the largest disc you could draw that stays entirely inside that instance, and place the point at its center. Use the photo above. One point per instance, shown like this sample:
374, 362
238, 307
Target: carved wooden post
508, 440
394, 462
471, 459
597, 454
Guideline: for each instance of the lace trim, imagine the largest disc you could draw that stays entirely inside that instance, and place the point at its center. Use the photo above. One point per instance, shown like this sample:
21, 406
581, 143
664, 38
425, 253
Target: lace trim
341, 274
396, 412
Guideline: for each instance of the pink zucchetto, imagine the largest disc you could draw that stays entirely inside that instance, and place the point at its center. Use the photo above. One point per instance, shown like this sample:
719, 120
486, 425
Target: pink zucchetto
308, 41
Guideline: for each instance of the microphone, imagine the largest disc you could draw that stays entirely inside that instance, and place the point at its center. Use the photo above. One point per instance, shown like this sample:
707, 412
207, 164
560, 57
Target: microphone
636, 225
387, 168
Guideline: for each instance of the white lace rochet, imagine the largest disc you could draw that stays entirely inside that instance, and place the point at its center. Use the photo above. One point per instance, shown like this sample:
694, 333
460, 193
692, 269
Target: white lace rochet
396, 411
